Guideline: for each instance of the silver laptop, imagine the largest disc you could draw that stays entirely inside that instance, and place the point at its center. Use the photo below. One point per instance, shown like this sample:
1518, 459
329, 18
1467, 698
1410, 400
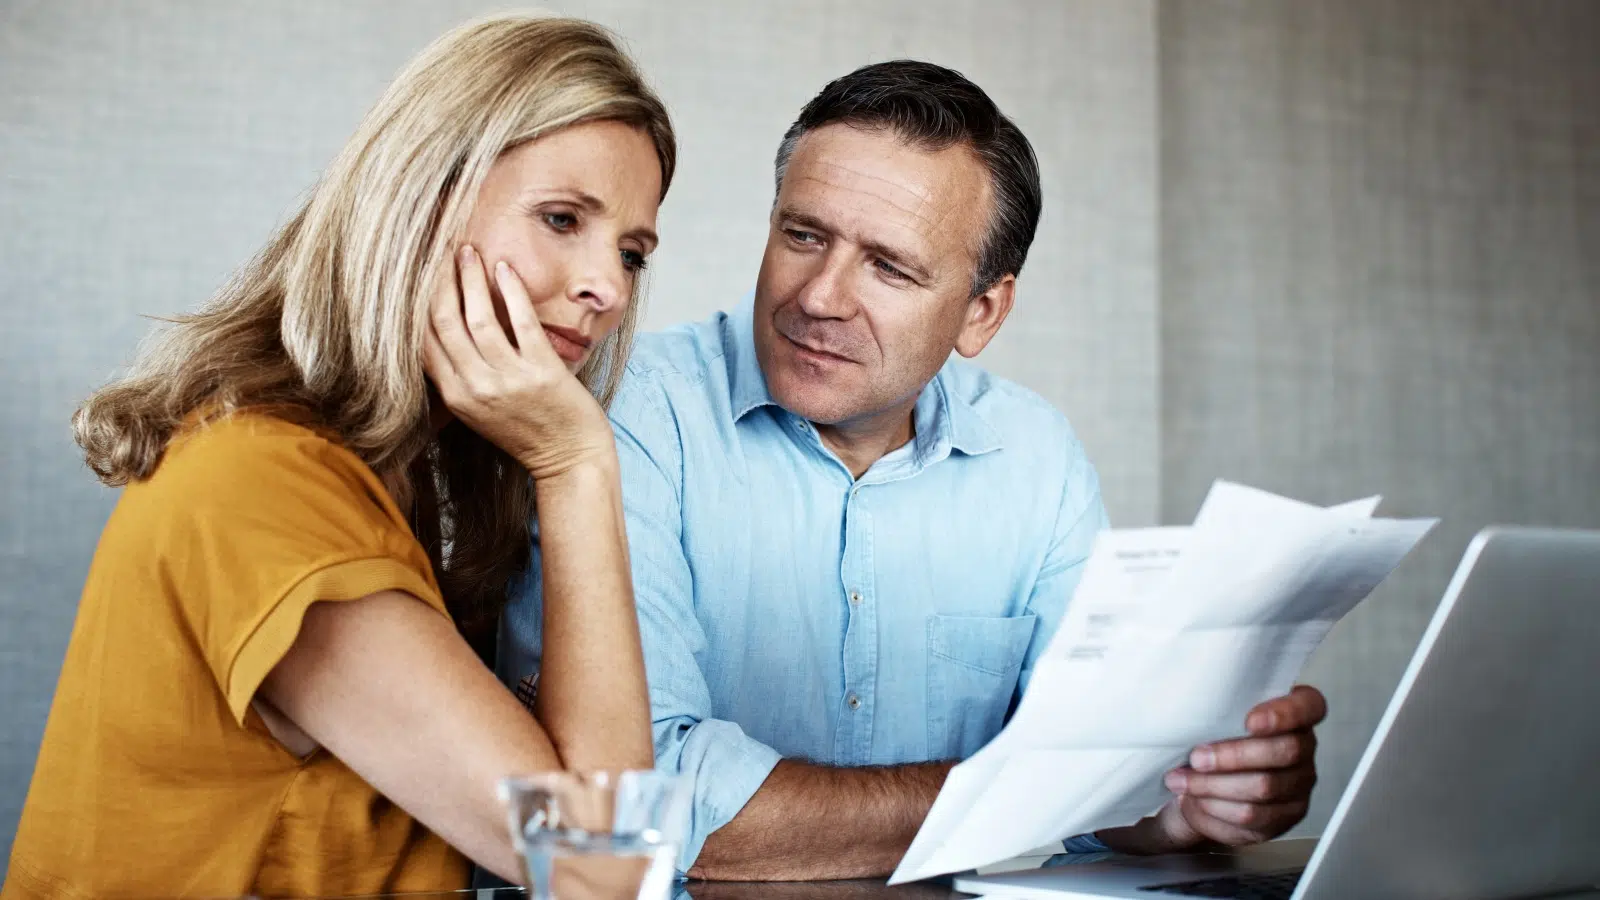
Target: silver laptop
1482, 781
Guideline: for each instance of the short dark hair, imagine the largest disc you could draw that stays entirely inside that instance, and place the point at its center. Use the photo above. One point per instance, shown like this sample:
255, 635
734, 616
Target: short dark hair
933, 107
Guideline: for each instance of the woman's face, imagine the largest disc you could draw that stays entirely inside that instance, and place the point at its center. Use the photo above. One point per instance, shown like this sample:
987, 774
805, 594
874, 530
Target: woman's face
573, 213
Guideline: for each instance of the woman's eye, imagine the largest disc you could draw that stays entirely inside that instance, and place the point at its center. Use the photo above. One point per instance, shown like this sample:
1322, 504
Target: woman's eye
633, 261
561, 221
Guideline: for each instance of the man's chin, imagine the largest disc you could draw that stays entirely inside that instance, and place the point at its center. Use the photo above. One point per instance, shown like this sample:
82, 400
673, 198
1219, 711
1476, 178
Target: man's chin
815, 403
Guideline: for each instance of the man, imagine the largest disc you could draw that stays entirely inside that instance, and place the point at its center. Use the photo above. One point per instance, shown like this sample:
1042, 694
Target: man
849, 550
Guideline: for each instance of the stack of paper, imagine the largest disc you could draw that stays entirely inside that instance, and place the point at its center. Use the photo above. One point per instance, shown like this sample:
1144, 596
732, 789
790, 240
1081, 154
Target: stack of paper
1172, 636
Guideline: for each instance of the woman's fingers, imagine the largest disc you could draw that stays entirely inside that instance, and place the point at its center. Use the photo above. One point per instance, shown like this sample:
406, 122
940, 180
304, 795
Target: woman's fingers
435, 361
450, 329
531, 339
522, 398
482, 322
437, 364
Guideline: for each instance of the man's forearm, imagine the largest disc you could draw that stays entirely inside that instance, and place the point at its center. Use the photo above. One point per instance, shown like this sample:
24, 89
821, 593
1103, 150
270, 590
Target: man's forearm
810, 822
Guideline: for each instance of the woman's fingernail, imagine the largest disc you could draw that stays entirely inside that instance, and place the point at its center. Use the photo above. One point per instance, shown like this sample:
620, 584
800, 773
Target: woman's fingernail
502, 269
467, 253
1203, 759
1176, 782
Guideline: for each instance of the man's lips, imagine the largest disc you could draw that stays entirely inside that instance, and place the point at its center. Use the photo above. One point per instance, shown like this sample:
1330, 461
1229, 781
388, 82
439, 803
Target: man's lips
814, 353
569, 343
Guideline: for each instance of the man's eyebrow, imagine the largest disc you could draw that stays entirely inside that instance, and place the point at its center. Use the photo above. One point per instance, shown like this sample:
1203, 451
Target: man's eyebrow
901, 258
594, 205
804, 220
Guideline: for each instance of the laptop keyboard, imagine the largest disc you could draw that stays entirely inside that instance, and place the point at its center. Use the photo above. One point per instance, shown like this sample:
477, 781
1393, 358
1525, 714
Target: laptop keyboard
1255, 886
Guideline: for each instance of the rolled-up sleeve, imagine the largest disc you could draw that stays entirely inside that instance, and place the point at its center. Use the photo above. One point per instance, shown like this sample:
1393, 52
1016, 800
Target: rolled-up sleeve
726, 765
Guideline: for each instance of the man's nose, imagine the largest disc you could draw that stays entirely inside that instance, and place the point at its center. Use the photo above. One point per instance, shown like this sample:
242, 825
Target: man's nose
826, 295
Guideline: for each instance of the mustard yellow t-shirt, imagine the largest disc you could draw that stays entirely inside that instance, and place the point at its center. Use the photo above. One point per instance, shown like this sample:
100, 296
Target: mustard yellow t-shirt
156, 777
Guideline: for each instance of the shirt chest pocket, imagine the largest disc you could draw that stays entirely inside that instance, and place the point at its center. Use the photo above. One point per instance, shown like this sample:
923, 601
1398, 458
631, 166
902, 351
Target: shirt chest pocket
973, 664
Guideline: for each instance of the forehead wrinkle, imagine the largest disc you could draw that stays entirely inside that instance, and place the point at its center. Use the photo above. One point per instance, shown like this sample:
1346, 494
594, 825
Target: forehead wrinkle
910, 201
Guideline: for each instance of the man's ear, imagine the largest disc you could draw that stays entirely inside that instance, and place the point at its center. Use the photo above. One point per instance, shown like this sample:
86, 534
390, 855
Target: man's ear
985, 314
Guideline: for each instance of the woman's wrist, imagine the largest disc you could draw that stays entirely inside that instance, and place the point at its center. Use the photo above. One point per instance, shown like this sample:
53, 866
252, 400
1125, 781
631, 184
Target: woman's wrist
599, 465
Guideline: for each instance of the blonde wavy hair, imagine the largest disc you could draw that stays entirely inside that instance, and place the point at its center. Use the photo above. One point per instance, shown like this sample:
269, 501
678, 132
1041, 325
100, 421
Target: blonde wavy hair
326, 323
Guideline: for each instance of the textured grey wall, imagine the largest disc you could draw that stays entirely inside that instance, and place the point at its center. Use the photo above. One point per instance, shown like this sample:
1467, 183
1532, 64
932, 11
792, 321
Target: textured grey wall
148, 149
1381, 272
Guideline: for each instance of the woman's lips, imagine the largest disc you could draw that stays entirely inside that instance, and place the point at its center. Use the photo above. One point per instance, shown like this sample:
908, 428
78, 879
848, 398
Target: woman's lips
570, 344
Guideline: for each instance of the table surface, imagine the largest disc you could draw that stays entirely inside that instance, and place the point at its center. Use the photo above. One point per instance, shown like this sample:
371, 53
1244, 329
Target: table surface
818, 890
874, 889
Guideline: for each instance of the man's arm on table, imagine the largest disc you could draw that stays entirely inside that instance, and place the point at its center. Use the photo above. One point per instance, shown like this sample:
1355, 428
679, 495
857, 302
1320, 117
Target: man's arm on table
810, 823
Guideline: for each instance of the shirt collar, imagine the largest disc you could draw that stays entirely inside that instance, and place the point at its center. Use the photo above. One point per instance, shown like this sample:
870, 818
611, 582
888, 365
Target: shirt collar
949, 420
747, 387
944, 420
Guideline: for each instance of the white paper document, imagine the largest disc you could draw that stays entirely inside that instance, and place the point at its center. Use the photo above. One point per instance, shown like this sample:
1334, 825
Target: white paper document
1172, 636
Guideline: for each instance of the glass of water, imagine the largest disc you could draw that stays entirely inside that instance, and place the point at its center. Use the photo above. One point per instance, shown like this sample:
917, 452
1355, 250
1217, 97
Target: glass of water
598, 835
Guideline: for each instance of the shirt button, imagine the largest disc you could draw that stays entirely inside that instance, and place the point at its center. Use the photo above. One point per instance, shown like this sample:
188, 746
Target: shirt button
853, 701
855, 598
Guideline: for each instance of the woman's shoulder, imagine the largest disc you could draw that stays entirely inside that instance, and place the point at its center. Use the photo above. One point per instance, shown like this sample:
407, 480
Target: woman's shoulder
249, 439
259, 432
252, 461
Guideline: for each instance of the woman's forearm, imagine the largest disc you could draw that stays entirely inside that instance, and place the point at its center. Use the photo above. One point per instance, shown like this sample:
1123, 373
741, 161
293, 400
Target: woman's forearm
387, 685
592, 698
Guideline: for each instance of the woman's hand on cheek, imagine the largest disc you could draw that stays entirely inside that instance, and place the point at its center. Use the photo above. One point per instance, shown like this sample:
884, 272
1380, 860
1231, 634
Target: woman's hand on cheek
521, 397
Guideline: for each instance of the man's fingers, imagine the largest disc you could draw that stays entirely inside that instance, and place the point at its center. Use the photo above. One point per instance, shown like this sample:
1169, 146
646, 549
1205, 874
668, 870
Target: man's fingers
1272, 786
1303, 707
1211, 828
1251, 754
1259, 821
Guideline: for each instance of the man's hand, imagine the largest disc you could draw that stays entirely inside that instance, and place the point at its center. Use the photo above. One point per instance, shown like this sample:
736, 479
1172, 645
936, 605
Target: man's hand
1242, 791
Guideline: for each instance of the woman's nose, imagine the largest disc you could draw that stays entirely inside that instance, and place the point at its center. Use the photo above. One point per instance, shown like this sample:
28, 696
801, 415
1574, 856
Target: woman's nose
601, 282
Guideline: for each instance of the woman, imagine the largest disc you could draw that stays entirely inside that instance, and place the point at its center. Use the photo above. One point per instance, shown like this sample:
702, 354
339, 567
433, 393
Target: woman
271, 687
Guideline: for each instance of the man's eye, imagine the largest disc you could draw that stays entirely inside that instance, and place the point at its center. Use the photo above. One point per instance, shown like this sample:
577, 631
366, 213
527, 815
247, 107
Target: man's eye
561, 221
889, 270
800, 237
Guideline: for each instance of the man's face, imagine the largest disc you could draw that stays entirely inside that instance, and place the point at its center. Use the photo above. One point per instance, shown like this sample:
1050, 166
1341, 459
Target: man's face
865, 287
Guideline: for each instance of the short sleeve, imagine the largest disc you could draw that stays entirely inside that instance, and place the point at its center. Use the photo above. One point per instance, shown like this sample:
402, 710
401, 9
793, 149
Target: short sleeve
253, 520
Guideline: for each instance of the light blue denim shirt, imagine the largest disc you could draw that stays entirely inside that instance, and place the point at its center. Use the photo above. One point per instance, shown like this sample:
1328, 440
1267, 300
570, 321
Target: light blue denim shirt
788, 610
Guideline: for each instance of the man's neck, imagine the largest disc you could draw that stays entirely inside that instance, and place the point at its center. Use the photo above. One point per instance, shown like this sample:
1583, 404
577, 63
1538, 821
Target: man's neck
861, 442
